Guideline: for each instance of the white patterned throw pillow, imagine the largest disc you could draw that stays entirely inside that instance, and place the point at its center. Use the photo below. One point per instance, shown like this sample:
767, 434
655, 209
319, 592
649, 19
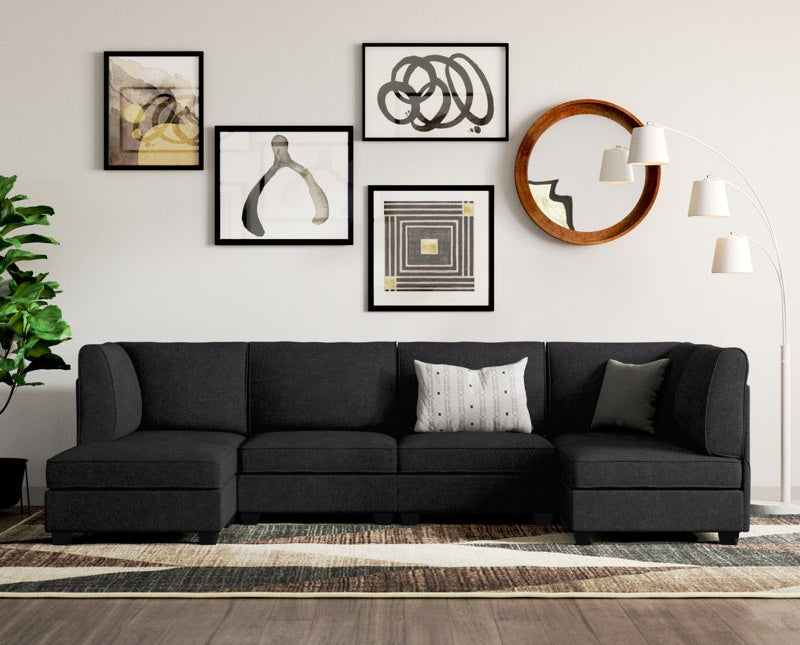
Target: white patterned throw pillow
452, 399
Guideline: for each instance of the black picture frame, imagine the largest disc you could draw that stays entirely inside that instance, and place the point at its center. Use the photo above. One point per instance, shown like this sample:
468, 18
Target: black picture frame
327, 159
169, 122
453, 227
381, 61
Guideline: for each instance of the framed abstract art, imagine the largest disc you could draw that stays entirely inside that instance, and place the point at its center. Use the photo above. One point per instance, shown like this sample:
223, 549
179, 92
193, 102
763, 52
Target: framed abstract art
284, 184
431, 248
454, 92
153, 110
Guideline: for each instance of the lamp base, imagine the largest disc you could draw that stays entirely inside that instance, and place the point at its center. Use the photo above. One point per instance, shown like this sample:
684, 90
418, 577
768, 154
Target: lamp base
761, 507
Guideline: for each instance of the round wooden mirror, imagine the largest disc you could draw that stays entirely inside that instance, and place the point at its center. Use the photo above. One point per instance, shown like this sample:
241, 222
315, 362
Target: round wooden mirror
557, 174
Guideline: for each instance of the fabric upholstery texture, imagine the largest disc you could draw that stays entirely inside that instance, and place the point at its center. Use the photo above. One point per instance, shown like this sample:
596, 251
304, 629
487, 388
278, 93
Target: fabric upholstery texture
473, 356
709, 411
320, 451
485, 493
575, 373
632, 459
654, 510
307, 386
474, 452
628, 395
453, 399
317, 493
154, 510
192, 386
109, 398
148, 459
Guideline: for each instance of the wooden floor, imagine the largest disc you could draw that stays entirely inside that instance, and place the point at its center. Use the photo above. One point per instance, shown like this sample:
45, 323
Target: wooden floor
388, 621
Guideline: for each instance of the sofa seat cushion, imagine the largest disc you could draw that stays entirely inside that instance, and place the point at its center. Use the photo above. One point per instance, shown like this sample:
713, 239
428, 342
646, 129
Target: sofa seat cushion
149, 459
631, 459
320, 451
474, 452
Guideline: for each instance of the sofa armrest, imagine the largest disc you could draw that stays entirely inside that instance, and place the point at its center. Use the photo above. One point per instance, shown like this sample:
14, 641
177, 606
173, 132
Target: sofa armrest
709, 409
109, 397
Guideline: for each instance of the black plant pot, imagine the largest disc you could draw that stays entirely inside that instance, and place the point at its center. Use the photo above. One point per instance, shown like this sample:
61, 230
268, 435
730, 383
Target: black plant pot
12, 471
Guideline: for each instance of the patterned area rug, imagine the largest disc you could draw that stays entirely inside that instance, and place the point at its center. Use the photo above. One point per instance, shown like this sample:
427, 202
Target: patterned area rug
483, 560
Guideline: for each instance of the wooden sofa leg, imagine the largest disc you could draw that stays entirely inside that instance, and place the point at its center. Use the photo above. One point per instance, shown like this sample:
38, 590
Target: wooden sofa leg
382, 518
409, 518
730, 538
208, 537
62, 539
248, 517
584, 538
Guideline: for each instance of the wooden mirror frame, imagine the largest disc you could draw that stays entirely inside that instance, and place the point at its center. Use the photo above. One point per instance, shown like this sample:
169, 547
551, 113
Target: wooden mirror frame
553, 116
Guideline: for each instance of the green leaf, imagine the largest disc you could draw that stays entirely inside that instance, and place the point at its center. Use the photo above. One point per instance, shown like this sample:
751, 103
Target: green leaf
18, 198
16, 221
6, 184
7, 210
47, 324
31, 238
18, 255
19, 276
36, 210
28, 291
19, 380
46, 362
6, 337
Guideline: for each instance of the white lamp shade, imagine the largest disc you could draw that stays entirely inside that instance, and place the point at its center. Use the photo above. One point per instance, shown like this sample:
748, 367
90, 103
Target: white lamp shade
615, 168
648, 146
709, 198
732, 255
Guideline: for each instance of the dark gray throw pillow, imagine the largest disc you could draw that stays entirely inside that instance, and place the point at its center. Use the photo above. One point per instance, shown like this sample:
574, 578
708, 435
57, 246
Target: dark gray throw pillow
628, 395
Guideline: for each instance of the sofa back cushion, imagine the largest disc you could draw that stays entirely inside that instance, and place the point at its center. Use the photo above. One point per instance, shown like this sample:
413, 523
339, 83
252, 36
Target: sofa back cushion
109, 398
709, 411
473, 356
192, 386
575, 375
312, 386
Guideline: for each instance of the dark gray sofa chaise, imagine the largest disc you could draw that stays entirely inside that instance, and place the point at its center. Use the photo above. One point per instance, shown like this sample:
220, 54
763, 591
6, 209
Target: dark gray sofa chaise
179, 437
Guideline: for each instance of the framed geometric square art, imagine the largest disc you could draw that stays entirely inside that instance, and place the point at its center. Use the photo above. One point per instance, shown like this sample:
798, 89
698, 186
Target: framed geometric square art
153, 111
431, 248
284, 184
424, 91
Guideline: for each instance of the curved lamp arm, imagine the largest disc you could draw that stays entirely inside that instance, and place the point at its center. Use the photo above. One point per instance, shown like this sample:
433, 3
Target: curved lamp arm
756, 202
779, 272
718, 153
776, 261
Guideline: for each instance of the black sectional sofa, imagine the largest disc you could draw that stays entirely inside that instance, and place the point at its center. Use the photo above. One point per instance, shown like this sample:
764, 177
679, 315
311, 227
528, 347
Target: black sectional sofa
179, 437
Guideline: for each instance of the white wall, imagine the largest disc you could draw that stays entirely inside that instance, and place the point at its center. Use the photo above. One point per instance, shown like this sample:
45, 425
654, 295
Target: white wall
137, 260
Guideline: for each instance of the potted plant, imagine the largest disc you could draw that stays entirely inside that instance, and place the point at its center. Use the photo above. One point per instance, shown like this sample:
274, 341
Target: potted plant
29, 325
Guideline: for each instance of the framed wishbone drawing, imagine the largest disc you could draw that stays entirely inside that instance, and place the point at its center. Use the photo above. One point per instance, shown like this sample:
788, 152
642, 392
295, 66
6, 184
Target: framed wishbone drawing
431, 248
416, 91
284, 184
153, 110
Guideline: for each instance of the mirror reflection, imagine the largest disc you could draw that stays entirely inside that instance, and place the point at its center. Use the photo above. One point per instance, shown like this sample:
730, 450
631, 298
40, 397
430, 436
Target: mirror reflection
564, 170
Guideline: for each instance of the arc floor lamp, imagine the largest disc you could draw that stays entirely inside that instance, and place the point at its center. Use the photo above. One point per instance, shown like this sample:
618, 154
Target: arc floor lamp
648, 146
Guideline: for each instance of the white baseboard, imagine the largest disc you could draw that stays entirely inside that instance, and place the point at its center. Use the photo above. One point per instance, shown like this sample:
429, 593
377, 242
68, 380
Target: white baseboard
769, 492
